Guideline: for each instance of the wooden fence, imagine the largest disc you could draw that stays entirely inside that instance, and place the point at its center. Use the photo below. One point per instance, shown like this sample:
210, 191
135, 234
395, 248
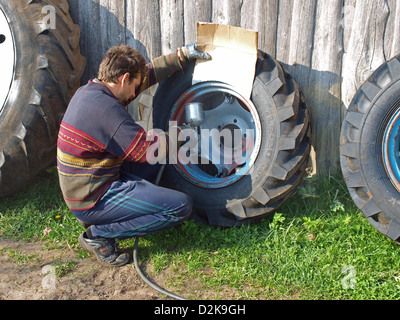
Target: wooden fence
329, 46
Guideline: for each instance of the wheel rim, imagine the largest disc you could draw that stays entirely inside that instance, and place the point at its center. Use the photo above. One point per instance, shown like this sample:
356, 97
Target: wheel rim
391, 150
7, 61
229, 138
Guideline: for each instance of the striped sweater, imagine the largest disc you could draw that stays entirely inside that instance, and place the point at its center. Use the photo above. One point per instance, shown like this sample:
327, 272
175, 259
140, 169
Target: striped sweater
97, 135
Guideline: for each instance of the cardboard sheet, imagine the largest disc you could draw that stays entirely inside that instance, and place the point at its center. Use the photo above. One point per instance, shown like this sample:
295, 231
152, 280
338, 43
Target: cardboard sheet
234, 56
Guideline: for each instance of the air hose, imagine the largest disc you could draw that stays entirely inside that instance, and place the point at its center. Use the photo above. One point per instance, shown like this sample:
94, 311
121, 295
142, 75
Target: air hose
136, 260
145, 279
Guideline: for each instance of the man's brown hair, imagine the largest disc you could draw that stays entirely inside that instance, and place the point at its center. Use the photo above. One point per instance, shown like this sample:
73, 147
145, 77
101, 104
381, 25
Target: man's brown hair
120, 60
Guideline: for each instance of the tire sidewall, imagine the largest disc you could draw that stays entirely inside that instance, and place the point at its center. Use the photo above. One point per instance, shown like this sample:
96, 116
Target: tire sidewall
372, 135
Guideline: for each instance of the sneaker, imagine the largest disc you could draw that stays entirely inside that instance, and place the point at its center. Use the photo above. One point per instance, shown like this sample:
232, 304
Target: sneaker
106, 251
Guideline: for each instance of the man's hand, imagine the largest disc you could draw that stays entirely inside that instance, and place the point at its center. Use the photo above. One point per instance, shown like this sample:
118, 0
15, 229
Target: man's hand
193, 53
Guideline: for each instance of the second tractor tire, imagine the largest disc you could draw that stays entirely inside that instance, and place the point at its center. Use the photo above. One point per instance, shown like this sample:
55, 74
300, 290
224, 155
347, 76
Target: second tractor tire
370, 149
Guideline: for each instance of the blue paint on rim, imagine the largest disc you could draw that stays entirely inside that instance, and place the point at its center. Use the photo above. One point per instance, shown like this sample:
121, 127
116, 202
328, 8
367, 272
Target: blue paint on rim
391, 149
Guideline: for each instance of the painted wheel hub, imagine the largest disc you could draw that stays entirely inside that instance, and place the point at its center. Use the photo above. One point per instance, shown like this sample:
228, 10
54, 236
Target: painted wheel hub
227, 141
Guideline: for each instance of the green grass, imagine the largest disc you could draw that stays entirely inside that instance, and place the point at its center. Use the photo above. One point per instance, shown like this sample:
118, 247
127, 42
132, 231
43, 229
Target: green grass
299, 253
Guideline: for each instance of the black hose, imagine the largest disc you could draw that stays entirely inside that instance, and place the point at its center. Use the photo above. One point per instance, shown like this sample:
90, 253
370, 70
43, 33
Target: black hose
151, 284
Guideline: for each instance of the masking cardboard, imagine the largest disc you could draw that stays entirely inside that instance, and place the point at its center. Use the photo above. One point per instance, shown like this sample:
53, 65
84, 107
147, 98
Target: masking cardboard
234, 56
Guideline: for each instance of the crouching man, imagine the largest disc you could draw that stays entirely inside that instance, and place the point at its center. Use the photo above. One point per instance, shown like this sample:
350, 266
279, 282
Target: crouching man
102, 158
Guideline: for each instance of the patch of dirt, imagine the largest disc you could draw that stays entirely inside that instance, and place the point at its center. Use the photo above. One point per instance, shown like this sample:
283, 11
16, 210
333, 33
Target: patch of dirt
27, 273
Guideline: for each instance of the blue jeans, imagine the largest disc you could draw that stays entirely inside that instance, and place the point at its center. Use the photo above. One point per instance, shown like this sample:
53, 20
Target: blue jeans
133, 206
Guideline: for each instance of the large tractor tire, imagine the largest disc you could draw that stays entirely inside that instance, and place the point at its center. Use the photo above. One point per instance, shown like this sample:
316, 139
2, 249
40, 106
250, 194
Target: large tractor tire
41, 68
276, 156
370, 147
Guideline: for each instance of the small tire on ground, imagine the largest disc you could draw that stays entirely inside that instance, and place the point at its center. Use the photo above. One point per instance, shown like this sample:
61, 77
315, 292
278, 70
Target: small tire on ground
47, 71
283, 155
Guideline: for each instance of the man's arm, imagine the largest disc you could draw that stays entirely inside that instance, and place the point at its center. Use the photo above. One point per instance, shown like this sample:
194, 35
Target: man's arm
164, 66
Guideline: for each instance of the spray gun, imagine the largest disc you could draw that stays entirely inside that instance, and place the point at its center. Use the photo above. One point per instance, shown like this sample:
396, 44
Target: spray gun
194, 115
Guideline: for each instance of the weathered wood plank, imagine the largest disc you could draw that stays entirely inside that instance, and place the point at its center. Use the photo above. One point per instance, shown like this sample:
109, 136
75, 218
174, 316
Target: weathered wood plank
171, 16
364, 50
347, 20
144, 24
262, 16
194, 11
89, 13
324, 86
227, 12
284, 30
392, 34
301, 40
111, 23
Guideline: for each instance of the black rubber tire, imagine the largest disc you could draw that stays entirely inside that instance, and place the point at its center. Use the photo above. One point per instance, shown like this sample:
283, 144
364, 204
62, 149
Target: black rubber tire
47, 72
361, 144
282, 160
